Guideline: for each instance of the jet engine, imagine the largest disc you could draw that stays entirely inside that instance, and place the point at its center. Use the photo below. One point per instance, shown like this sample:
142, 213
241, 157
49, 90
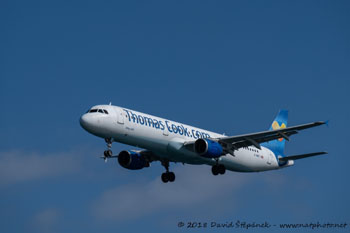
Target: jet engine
208, 148
132, 160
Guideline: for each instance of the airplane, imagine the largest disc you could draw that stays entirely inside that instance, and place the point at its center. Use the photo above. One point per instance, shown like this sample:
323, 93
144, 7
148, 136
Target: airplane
169, 141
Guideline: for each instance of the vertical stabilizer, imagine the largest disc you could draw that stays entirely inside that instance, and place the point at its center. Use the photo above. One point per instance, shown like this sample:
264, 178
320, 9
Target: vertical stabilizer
280, 122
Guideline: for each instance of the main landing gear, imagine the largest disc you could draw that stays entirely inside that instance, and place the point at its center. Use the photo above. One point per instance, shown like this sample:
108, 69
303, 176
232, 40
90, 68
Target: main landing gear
218, 169
167, 176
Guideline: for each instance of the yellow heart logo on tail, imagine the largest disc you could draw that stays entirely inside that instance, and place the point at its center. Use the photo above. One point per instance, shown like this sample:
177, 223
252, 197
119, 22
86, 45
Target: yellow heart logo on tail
275, 126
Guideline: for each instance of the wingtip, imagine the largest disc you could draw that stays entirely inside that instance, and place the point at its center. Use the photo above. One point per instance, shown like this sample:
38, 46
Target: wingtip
323, 122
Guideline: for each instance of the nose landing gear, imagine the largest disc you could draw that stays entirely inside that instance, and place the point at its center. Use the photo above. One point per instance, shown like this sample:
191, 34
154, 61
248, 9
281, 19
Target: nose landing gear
108, 153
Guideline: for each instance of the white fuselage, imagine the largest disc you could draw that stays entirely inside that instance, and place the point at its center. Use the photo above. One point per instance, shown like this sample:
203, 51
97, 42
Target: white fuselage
165, 138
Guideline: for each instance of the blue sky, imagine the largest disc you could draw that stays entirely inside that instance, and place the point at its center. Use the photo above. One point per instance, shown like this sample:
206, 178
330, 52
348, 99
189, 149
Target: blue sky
226, 66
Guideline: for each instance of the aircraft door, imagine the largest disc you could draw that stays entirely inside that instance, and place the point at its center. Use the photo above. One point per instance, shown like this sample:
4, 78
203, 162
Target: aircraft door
269, 159
120, 117
121, 121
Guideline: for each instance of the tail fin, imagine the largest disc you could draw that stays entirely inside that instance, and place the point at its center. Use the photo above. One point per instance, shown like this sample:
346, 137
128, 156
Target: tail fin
280, 122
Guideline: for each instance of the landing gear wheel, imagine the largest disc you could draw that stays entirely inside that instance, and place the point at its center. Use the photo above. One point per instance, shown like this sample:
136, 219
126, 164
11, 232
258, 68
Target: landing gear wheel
171, 176
215, 170
221, 169
108, 153
165, 177
168, 177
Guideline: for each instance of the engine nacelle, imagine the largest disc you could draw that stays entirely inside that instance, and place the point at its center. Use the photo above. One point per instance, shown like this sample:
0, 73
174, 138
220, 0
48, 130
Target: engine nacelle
208, 148
132, 160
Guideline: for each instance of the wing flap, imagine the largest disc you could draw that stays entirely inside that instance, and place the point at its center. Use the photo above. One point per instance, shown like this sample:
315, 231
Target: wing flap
244, 141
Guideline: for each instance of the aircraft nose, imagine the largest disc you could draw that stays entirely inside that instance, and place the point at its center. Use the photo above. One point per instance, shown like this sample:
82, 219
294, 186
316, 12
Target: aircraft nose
84, 121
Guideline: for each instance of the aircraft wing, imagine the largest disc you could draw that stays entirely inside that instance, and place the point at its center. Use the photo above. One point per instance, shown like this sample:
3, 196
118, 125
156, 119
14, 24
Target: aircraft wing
232, 143
254, 139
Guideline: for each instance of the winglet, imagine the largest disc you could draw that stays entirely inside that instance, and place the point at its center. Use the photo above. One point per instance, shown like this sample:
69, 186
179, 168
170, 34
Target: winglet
327, 123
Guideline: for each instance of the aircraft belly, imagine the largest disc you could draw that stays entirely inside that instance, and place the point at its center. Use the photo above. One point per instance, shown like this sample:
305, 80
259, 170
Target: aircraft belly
244, 161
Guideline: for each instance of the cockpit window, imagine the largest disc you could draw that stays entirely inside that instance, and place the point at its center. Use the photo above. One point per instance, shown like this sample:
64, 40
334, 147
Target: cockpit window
103, 111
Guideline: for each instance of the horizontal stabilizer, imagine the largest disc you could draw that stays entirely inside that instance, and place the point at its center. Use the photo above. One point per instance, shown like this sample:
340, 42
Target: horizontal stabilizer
302, 156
